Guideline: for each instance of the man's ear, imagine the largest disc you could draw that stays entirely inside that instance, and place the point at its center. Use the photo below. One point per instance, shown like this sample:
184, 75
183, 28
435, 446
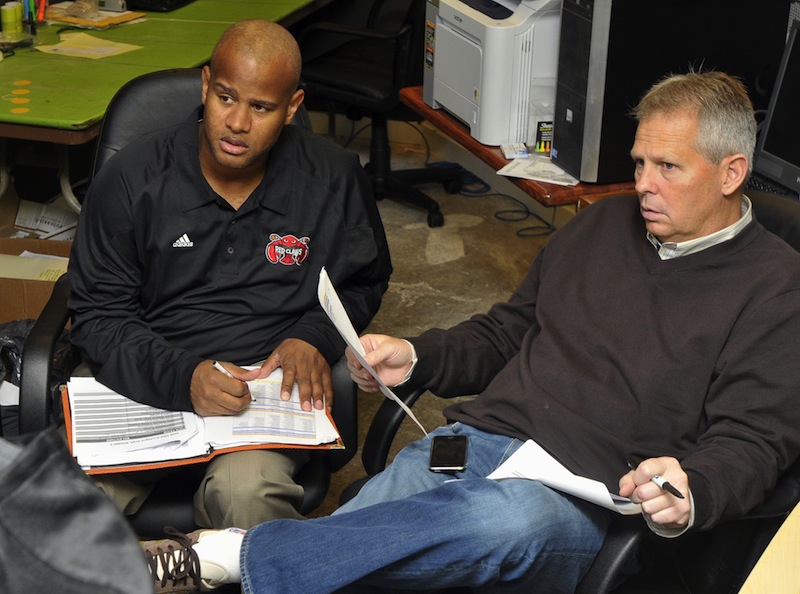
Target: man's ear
735, 171
206, 73
294, 105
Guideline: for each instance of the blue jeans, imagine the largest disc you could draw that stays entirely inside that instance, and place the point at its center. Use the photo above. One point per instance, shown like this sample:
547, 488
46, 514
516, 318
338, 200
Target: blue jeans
412, 529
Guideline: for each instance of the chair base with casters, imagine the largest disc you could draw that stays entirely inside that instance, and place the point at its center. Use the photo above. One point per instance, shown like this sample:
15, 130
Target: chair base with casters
171, 500
399, 184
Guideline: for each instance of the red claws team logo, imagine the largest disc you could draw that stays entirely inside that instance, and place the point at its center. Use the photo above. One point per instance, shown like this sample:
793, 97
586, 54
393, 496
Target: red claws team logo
287, 249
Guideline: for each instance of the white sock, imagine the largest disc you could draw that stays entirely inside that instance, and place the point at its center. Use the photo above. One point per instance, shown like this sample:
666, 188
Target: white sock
218, 551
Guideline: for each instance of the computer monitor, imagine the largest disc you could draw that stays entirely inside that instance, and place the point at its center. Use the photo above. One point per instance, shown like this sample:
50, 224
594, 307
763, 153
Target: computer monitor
777, 155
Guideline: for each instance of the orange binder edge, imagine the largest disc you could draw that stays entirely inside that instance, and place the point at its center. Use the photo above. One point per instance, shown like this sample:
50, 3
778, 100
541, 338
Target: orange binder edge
133, 467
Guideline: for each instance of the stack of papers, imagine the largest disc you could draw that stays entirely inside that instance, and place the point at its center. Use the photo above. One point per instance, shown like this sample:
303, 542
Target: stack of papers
538, 168
109, 430
58, 13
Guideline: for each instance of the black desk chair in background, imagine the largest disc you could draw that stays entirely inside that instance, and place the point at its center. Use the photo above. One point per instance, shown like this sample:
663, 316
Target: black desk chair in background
144, 106
364, 70
633, 559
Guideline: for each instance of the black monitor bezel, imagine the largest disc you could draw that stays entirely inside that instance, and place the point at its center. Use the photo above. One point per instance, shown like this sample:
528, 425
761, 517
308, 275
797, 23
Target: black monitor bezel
768, 163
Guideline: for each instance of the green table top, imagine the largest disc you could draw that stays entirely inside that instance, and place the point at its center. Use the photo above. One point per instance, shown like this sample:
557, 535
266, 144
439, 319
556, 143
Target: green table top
69, 93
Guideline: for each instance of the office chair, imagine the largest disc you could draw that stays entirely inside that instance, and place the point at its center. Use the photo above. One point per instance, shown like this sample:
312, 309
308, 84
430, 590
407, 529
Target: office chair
632, 557
145, 106
364, 71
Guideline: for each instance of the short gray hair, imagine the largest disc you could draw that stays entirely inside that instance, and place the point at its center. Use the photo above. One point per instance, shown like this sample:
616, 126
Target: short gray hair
725, 117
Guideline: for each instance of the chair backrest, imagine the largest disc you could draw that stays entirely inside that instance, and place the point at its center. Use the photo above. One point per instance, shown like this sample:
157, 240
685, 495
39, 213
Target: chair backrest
365, 67
778, 214
147, 105
399, 14
411, 71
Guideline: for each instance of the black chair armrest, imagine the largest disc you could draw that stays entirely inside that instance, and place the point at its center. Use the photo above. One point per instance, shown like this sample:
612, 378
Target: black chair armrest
35, 399
780, 501
617, 557
345, 414
381, 433
384, 427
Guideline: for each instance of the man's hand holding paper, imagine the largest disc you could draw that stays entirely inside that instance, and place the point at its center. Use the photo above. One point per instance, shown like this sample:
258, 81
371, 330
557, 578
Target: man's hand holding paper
390, 358
335, 310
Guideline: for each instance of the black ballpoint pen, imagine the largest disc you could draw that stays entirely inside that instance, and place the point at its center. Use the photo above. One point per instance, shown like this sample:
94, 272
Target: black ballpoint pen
633, 464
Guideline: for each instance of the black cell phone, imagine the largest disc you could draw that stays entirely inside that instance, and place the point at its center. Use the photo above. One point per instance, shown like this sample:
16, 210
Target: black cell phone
448, 453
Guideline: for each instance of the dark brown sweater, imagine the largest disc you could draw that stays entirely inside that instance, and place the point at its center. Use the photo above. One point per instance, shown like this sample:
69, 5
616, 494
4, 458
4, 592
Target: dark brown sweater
605, 351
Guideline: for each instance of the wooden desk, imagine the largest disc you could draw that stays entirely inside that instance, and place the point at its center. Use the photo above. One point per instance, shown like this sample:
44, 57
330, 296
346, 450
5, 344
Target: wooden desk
62, 99
547, 194
777, 571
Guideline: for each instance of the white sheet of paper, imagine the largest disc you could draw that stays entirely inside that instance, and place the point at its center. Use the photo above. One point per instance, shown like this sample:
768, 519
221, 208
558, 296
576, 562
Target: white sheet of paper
531, 461
148, 432
332, 305
270, 420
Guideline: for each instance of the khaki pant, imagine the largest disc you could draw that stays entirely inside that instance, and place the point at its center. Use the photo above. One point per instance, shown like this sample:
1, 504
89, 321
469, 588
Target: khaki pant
240, 489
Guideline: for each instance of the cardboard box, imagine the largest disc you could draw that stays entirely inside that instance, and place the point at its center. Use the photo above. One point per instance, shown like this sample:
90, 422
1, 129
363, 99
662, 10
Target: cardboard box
26, 298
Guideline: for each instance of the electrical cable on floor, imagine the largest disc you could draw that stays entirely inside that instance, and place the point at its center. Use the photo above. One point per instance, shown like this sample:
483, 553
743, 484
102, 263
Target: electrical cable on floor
474, 187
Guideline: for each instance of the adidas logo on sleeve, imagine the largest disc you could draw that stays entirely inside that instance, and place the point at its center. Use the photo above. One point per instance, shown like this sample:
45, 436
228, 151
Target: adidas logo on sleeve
183, 242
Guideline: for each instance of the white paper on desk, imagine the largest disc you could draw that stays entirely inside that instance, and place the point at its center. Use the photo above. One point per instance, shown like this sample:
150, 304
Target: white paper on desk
330, 302
531, 461
538, 168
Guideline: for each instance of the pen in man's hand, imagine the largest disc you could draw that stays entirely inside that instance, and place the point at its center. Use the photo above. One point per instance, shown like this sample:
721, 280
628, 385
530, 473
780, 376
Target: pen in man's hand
218, 366
633, 464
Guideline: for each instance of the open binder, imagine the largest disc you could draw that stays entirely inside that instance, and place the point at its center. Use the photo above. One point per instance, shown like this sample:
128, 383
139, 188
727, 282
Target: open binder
109, 433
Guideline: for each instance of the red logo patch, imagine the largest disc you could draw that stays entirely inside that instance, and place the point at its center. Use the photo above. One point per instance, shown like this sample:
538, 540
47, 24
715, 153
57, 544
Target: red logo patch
286, 249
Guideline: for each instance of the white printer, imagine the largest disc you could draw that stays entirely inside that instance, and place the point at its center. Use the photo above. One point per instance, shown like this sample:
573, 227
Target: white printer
495, 66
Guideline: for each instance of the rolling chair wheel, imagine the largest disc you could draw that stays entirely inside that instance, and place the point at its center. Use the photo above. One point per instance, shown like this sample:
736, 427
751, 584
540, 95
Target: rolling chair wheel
453, 186
435, 219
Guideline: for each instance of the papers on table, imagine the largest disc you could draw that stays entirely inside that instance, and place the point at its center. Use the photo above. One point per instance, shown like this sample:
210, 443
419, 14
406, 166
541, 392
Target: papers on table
83, 45
332, 305
531, 461
538, 168
108, 429
61, 13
